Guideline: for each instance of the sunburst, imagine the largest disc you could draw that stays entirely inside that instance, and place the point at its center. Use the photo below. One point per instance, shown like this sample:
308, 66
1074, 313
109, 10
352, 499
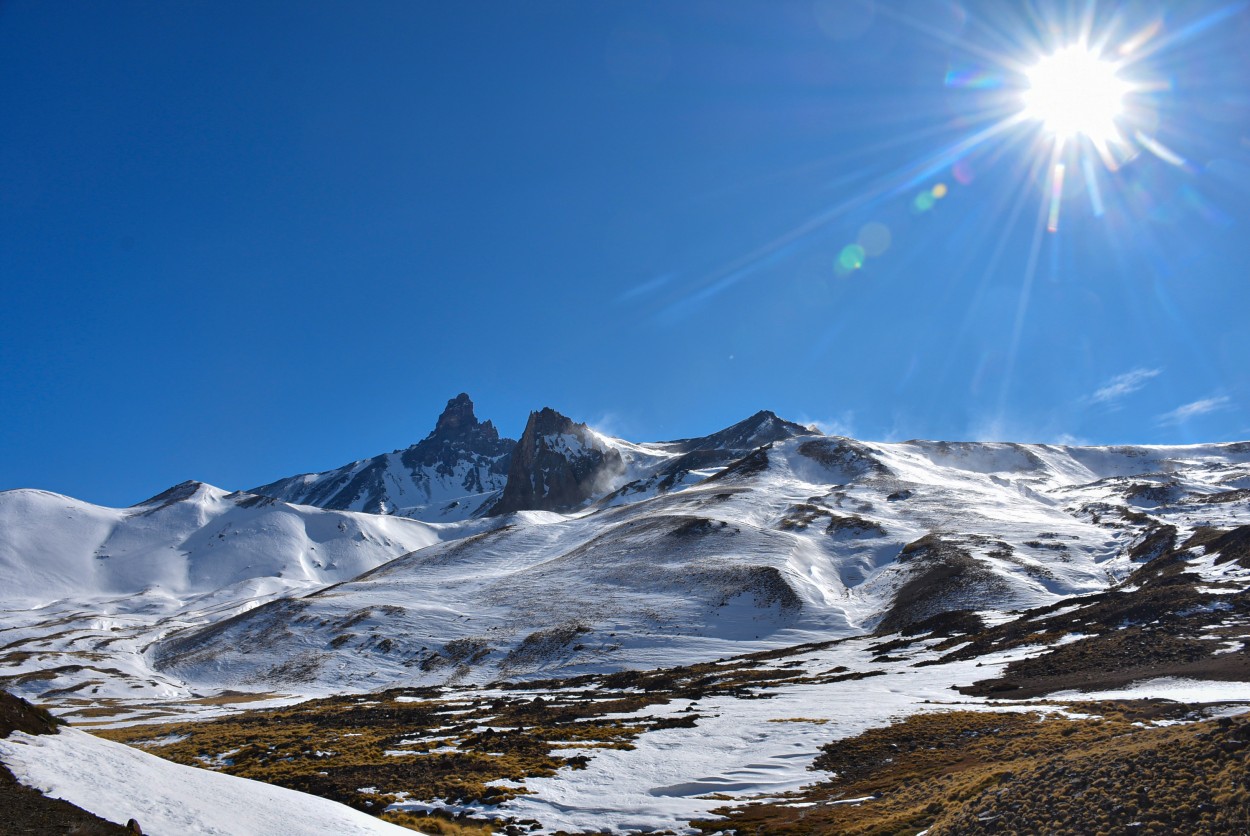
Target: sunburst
1076, 92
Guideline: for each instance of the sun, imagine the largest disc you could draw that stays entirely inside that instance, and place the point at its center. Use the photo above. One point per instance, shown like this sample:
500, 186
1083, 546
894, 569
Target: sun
1075, 92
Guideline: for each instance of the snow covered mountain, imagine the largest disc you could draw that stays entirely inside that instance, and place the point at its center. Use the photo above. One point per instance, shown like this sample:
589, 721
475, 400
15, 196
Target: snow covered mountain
594, 553
561, 465
804, 539
85, 589
688, 460
851, 582
193, 539
449, 475
463, 469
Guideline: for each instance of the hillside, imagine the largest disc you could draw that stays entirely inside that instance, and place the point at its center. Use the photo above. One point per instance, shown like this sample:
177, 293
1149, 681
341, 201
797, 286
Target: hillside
644, 635
802, 539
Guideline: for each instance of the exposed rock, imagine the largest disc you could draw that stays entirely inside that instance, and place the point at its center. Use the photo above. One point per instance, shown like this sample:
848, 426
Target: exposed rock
18, 715
941, 577
724, 447
850, 458
557, 466
462, 456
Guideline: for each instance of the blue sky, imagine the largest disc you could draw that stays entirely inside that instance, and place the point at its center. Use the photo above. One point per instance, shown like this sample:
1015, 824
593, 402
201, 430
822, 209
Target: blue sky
244, 240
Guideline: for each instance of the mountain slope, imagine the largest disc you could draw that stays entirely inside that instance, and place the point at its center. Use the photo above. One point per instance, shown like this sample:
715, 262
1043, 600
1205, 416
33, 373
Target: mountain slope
811, 537
84, 589
118, 781
446, 476
557, 466
647, 594
190, 540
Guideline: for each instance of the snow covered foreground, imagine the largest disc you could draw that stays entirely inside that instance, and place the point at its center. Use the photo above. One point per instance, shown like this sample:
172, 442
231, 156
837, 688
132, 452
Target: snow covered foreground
741, 749
117, 782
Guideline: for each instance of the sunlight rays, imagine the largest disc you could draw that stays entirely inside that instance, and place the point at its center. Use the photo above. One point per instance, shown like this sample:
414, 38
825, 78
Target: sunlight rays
1064, 97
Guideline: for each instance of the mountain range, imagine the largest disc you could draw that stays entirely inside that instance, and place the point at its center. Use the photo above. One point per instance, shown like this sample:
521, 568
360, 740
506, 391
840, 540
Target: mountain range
573, 551
464, 469
649, 634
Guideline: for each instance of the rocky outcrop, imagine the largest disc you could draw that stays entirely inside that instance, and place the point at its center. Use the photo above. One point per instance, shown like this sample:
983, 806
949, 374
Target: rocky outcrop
459, 437
940, 577
557, 466
461, 457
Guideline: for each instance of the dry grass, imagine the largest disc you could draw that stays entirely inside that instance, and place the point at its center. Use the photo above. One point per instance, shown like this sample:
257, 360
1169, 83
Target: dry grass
233, 698
333, 747
438, 825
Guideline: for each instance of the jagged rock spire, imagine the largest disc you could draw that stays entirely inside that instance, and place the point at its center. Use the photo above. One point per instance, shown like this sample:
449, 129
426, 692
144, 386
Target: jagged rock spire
458, 421
557, 465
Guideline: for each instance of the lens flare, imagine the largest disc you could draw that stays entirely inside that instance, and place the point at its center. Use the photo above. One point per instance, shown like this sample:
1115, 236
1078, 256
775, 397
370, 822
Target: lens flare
852, 257
875, 238
1063, 100
1056, 195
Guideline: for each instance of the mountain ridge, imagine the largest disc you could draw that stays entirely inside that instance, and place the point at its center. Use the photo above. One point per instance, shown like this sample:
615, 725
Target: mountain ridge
809, 536
464, 469
448, 475
651, 553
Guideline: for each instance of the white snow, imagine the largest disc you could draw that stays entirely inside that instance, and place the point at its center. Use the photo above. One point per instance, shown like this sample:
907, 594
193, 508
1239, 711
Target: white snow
117, 782
1168, 688
84, 589
746, 749
200, 542
638, 591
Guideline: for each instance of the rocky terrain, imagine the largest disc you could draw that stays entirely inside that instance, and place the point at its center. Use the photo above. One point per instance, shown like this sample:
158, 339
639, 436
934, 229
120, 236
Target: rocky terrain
692, 635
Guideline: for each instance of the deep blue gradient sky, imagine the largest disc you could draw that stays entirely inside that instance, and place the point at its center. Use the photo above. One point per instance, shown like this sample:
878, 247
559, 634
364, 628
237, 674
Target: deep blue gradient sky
241, 240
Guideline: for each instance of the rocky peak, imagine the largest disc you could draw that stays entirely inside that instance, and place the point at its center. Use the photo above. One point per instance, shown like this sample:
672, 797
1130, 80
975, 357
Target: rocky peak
178, 493
764, 427
547, 421
462, 457
458, 421
557, 465
458, 436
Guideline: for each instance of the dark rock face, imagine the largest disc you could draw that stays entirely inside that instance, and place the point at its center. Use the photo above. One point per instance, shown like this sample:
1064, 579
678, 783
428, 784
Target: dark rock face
853, 459
459, 436
18, 715
764, 427
557, 465
178, 493
458, 418
460, 448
